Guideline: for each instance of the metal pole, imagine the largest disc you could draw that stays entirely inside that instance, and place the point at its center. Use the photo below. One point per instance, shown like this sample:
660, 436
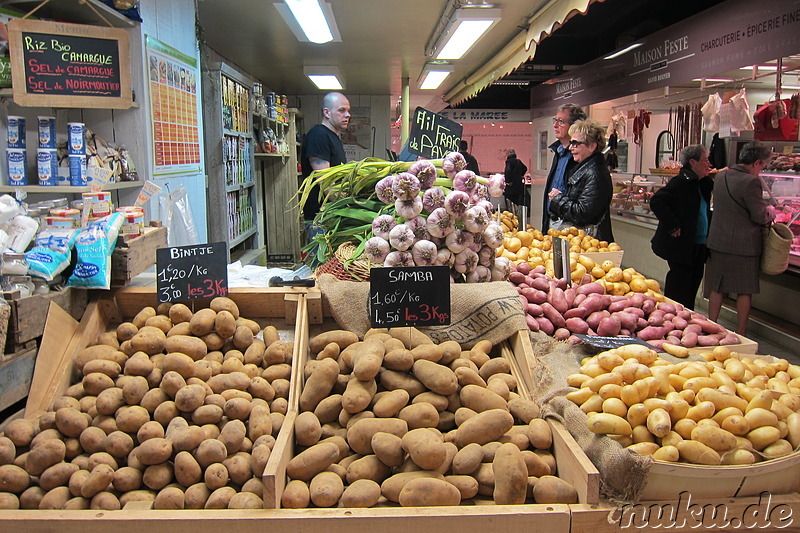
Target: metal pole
405, 113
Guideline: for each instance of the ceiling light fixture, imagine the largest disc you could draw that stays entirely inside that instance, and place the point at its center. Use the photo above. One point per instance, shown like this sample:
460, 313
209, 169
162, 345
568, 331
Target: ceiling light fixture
433, 75
624, 51
791, 87
463, 30
325, 78
760, 67
722, 80
310, 20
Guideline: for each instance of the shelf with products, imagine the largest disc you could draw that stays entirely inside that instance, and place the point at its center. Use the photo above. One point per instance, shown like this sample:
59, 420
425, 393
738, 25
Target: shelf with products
632, 193
233, 194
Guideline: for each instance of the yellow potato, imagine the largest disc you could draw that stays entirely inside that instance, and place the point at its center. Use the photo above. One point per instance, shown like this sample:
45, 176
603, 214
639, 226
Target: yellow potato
698, 453
610, 424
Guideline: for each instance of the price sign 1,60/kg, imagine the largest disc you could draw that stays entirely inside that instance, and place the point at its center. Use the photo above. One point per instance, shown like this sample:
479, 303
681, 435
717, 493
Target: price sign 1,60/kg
409, 296
192, 272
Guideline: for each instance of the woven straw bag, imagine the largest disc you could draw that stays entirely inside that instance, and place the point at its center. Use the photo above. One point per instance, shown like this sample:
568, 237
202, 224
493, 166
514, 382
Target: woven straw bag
777, 245
344, 267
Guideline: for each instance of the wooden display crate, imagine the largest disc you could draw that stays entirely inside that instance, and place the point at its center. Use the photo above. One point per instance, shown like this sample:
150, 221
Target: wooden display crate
131, 258
745, 345
573, 465
28, 314
16, 374
64, 336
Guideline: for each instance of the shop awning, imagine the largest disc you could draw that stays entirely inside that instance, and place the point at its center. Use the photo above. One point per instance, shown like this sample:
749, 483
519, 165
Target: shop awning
519, 49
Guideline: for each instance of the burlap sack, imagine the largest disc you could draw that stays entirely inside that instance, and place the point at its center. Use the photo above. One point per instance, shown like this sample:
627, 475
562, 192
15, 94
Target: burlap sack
623, 475
478, 311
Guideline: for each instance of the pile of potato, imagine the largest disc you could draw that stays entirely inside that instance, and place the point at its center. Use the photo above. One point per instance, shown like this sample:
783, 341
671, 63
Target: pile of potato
726, 410
396, 417
175, 407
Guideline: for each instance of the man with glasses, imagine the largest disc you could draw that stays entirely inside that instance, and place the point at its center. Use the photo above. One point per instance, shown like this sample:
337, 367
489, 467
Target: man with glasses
563, 165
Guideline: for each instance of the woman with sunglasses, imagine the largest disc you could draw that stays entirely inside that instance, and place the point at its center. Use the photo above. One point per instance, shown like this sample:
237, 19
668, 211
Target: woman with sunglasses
585, 203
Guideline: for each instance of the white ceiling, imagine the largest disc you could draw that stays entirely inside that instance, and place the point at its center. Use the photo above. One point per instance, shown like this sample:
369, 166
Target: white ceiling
383, 41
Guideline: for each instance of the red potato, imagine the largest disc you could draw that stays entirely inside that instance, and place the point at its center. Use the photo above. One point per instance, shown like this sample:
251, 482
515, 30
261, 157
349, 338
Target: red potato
591, 288
562, 334
523, 301
558, 300
656, 343
693, 328
685, 314
524, 268
708, 326
668, 325
569, 295
635, 311
636, 300
677, 333
516, 278
648, 306
539, 270
617, 306
593, 303
617, 297
579, 298
539, 297
540, 284
679, 322
656, 318
624, 332
561, 283
545, 326
641, 324
594, 319
533, 325
609, 327
730, 338
528, 280
575, 312
669, 316
673, 340
577, 325
626, 320
553, 315
528, 294
666, 307
651, 333
534, 309
689, 339
708, 340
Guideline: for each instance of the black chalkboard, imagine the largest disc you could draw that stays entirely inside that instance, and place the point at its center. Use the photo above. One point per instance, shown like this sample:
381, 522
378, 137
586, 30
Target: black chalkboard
409, 296
69, 65
607, 343
192, 272
433, 136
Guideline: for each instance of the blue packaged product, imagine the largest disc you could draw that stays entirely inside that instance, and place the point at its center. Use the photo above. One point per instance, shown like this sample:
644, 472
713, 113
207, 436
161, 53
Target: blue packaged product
94, 246
47, 166
51, 252
47, 132
17, 166
77, 170
16, 132
76, 138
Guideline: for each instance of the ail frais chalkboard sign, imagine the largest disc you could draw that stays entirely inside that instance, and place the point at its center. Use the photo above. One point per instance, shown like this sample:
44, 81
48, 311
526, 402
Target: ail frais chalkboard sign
409, 296
54, 64
433, 136
192, 272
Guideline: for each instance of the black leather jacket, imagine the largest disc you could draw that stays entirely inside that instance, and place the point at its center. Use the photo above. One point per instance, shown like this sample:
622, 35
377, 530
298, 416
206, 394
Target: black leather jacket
677, 205
588, 197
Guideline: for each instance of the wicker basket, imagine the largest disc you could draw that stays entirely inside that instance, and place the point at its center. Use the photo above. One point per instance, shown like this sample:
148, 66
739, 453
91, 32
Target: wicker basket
341, 266
777, 245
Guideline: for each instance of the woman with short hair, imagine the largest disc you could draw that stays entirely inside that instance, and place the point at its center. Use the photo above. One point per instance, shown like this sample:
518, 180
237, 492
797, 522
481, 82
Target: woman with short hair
586, 202
735, 236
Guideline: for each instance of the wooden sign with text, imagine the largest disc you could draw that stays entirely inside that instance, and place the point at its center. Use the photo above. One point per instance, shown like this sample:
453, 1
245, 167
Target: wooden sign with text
192, 272
54, 64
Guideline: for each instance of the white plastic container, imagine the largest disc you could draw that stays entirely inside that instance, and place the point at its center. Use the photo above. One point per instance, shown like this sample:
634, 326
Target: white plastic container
21, 232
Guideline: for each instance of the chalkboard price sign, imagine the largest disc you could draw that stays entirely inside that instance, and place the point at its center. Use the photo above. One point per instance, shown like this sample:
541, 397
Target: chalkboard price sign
69, 65
192, 272
432, 135
409, 296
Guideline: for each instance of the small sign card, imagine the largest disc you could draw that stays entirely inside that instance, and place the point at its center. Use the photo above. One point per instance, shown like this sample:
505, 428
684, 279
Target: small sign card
192, 272
409, 296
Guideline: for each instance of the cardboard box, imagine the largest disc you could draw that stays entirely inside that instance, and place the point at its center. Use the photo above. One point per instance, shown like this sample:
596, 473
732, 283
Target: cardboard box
131, 258
16, 374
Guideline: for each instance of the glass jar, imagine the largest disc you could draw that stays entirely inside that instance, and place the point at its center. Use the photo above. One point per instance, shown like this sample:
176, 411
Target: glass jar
40, 285
23, 284
14, 264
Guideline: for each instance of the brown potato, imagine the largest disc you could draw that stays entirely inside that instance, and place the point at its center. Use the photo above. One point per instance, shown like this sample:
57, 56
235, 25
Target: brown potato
99, 478
296, 495
157, 477
426, 492
14, 479
179, 313
106, 501
127, 479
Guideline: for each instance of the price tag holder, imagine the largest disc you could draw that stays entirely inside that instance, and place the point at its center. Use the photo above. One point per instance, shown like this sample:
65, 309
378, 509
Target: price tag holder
192, 272
607, 343
409, 296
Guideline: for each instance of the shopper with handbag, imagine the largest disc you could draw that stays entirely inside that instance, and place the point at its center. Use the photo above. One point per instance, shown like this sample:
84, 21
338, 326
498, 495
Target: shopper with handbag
735, 236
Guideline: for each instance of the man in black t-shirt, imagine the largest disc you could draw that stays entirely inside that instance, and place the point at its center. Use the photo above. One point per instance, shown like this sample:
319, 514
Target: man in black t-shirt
322, 147
472, 163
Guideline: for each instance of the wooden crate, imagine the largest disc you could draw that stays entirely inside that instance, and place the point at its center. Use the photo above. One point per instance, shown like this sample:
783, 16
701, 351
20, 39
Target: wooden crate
16, 375
131, 258
64, 336
28, 314
745, 345
573, 465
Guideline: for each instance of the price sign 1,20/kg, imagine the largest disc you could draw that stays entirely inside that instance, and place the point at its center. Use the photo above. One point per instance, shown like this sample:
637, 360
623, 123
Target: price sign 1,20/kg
409, 296
192, 272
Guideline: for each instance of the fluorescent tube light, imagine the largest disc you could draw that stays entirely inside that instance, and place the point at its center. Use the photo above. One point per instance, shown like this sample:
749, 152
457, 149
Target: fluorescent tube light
310, 20
465, 28
714, 79
791, 87
433, 75
326, 78
760, 67
623, 51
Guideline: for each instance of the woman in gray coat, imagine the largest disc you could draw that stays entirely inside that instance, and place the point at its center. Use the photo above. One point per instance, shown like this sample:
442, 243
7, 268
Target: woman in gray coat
735, 235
